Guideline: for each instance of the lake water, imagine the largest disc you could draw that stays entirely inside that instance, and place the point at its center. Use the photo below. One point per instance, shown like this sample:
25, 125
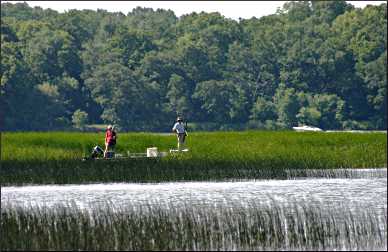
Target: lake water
354, 193
352, 211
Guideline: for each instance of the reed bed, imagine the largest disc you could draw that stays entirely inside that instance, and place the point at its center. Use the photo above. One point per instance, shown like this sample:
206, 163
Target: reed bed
55, 157
154, 227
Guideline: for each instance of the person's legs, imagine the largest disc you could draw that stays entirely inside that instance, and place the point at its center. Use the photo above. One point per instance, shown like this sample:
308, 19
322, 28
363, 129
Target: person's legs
181, 141
106, 149
178, 139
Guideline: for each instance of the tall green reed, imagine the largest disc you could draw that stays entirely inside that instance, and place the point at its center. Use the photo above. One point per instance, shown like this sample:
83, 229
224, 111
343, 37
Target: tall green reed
155, 227
55, 157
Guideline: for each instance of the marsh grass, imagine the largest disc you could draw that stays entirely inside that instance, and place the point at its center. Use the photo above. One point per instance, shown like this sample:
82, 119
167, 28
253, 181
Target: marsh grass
55, 157
155, 227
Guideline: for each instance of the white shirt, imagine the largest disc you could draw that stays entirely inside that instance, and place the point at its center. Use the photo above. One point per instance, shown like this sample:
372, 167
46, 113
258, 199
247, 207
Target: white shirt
178, 127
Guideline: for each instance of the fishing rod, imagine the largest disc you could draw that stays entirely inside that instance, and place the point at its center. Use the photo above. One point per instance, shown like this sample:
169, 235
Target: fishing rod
187, 134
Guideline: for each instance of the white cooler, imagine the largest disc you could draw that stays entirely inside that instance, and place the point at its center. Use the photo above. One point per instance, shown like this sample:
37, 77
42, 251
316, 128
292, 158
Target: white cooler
152, 152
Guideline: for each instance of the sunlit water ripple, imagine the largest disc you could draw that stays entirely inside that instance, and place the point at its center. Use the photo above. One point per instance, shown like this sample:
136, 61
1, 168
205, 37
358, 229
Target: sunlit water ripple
332, 193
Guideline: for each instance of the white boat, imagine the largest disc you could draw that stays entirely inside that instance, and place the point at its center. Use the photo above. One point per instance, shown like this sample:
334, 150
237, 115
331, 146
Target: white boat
306, 128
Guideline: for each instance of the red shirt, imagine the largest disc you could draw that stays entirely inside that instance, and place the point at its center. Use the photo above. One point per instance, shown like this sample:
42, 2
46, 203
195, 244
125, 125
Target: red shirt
109, 136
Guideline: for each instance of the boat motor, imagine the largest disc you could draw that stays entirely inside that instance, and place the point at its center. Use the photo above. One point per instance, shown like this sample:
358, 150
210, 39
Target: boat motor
97, 151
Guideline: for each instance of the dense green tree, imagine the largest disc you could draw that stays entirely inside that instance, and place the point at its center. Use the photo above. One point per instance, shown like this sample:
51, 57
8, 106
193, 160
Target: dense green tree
158, 24
309, 116
287, 105
81, 25
328, 11
125, 98
321, 110
297, 10
363, 34
15, 100
80, 119
177, 96
130, 45
375, 76
312, 62
22, 11
220, 100
115, 89
263, 110
52, 53
52, 104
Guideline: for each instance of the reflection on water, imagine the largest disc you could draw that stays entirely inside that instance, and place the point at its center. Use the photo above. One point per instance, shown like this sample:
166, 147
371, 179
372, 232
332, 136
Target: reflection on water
301, 214
353, 193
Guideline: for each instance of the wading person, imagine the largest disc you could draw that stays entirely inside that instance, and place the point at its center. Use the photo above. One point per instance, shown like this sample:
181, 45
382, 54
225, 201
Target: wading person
180, 131
110, 140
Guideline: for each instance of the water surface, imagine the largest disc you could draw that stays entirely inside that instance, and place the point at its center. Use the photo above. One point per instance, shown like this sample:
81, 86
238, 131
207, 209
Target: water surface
353, 193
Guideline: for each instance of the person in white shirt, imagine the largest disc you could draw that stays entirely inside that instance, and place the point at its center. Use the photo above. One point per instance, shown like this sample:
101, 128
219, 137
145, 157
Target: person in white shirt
180, 131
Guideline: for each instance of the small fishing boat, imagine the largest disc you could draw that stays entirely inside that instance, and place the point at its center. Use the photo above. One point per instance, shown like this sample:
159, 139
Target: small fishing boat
98, 154
306, 128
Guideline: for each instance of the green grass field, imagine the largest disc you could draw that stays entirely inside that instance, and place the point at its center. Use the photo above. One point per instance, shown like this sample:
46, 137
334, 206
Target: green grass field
55, 157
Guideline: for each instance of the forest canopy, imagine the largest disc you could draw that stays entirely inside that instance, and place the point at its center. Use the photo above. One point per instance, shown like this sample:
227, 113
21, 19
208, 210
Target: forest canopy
320, 63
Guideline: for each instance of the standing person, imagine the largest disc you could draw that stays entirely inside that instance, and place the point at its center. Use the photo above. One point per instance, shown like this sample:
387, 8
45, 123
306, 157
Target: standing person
180, 131
110, 140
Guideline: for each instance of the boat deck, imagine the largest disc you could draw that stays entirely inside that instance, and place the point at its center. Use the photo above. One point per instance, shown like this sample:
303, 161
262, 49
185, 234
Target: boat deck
130, 155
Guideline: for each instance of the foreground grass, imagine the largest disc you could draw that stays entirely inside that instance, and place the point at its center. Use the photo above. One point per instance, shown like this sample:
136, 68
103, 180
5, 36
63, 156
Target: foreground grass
258, 227
55, 157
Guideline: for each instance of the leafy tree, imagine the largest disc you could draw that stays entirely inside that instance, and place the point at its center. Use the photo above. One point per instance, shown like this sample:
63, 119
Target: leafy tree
81, 25
263, 110
309, 116
177, 96
126, 100
80, 119
194, 60
328, 11
297, 10
51, 103
312, 62
158, 24
130, 45
375, 76
321, 110
50, 54
287, 105
22, 11
218, 100
17, 93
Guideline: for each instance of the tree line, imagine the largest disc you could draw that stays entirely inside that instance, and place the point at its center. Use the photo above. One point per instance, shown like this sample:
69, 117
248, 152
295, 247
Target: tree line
320, 63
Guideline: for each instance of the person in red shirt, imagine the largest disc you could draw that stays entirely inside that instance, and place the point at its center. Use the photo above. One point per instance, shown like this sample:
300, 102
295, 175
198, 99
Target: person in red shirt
110, 140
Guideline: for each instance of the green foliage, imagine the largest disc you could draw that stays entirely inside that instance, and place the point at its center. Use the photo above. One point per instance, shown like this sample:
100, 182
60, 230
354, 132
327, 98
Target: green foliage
136, 69
263, 110
363, 33
177, 96
320, 109
309, 116
221, 100
158, 24
18, 96
80, 119
328, 11
287, 105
